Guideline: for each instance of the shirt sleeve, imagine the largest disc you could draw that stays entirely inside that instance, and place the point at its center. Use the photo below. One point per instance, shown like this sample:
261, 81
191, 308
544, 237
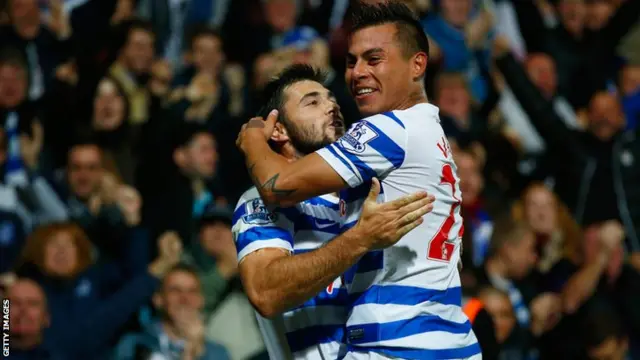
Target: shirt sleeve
255, 227
372, 147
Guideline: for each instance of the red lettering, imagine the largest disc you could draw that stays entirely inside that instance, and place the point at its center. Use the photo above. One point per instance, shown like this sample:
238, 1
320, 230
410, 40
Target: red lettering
443, 145
439, 248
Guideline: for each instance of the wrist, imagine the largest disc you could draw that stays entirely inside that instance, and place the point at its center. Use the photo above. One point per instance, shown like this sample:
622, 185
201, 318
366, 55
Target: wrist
354, 240
159, 268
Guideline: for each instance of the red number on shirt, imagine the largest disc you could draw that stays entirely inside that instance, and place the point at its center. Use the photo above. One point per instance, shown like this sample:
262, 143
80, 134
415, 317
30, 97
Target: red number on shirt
439, 248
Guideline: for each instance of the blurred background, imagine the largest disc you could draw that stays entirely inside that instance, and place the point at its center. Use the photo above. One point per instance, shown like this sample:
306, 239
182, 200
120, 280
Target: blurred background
119, 170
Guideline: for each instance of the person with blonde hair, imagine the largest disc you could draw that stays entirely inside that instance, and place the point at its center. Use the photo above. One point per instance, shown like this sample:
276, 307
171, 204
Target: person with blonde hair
89, 303
557, 233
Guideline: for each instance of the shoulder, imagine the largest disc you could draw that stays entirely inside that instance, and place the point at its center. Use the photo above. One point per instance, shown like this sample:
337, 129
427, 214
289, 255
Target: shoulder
127, 345
377, 130
251, 210
215, 351
389, 119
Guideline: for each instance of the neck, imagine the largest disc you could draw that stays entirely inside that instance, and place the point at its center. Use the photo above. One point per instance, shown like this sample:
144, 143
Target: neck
26, 342
414, 98
495, 266
197, 185
289, 152
171, 331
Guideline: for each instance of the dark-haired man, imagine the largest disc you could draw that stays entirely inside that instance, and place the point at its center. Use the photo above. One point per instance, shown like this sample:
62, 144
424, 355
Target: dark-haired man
408, 304
307, 288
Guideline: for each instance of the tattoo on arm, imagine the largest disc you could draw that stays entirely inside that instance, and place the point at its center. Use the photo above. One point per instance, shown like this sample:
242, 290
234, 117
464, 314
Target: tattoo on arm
270, 184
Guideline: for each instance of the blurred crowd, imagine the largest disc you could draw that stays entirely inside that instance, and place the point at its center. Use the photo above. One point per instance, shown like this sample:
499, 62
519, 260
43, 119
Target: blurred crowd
119, 169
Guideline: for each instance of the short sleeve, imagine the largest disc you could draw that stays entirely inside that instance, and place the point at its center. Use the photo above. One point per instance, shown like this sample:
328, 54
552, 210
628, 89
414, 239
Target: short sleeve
372, 147
255, 227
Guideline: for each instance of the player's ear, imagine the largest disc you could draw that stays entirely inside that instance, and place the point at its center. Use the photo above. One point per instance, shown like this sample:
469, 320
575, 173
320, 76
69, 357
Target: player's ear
419, 65
279, 134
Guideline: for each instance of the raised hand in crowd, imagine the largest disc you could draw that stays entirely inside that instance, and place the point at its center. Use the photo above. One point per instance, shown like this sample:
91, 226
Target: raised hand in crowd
106, 194
235, 77
58, 20
546, 311
30, 146
67, 73
161, 75
123, 12
477, 30
169, 254
129, 202
190, 325
611, 236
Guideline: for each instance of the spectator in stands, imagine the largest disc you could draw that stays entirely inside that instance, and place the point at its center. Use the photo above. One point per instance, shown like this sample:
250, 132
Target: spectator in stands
43, 45
17, 113
557, 234
542, 73
509, 268
581, 54
204, 93
478, 224
95, 199
179, 332
170, 19
132, 69
461, 35
213, 256
595, 177
304, 46
180, 197
113, 133
89, 304
493, 322
606, 337
601, 279
630, 92
29, 320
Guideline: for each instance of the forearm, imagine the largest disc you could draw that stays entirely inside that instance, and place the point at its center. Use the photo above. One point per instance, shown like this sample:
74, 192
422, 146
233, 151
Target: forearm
290, 281
582, 284
265, 169
539, 109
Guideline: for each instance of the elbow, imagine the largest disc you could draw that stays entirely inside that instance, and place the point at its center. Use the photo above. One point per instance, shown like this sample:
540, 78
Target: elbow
276, 201
264, 304
278, 198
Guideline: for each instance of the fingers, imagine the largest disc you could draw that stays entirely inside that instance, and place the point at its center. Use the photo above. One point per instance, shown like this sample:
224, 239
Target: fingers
410, 226
413, 215
415, 205
272, 118
374, 191
406, 200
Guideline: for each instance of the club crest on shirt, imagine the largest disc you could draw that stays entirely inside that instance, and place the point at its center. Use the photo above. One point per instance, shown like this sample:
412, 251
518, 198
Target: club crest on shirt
358, 137
257, 213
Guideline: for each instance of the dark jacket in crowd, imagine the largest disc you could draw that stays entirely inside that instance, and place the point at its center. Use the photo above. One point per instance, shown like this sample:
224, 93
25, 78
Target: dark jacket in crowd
598, 180
89, 311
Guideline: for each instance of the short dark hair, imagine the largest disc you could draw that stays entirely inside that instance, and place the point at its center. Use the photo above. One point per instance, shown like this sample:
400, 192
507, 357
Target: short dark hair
601, 324
182, 267
187, 131
409, 34
506, 230
198, 31
273, 93
13, 57
126, 28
